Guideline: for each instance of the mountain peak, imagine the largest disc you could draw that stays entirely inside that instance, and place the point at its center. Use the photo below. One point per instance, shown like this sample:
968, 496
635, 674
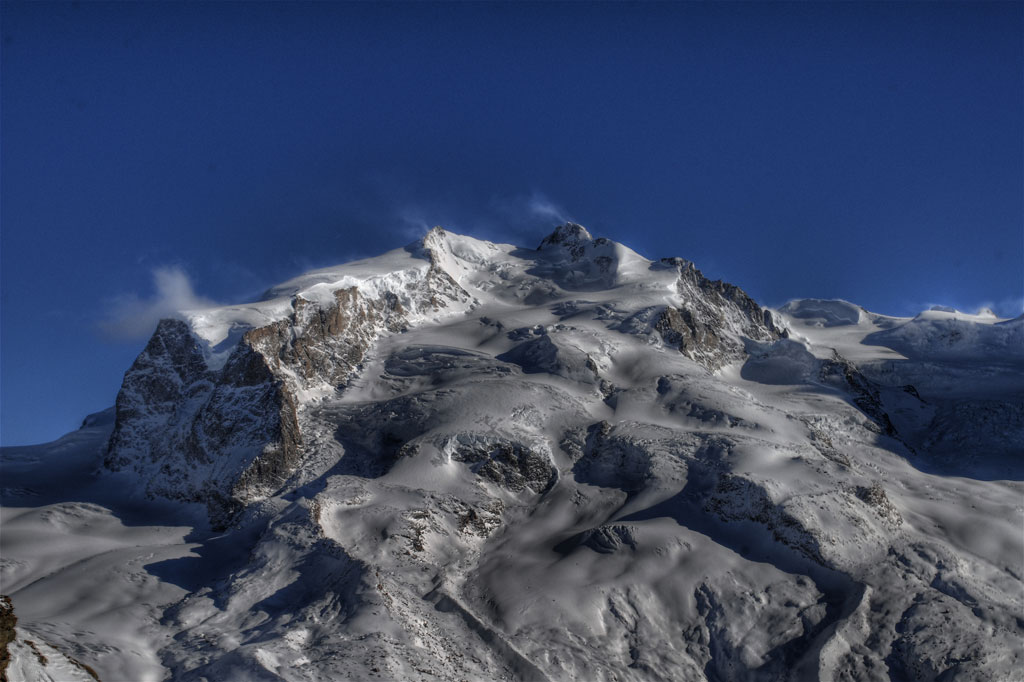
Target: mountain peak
570, 234
436, 232
434, 238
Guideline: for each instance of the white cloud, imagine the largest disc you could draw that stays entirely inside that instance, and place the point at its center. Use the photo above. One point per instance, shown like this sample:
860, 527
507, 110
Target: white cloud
525, 215
542, 207
1011, 306
134, 317
414, 223
503, 218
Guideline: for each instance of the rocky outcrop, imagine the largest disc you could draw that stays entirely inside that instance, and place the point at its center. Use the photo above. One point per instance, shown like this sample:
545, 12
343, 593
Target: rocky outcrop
738, 498
228, 436
169, 369
572, 237
713, 318
509, 465
34, 659
7, 633
609, 539
223, 437
844, 375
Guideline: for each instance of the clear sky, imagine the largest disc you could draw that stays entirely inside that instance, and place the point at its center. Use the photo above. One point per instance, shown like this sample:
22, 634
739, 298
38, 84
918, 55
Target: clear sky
866, 151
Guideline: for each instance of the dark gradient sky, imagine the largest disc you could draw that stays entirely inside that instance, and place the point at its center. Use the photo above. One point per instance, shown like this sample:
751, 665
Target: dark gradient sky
868, 151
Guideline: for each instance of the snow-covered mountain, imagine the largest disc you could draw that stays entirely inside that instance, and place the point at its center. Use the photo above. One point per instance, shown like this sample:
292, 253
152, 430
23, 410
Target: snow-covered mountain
472, 461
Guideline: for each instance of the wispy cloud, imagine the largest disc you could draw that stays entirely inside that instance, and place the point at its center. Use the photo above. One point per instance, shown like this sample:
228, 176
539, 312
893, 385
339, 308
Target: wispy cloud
1009, 307
540, 206
132, 317
503, 218
528, 215
415, 222
1012, 306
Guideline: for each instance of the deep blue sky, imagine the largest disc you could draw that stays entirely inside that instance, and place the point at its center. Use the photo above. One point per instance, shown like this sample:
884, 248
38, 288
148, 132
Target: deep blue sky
869, 151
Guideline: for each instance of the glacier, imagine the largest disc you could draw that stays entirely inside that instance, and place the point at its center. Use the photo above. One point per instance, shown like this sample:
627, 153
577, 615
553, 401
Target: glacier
464, 460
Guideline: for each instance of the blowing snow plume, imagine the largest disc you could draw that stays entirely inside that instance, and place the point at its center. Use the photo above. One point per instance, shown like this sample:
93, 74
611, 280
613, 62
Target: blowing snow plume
503, 218
539, 205
132, 317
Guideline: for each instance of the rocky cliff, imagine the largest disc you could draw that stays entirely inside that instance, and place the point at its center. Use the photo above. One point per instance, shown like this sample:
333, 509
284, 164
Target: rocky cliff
228, 435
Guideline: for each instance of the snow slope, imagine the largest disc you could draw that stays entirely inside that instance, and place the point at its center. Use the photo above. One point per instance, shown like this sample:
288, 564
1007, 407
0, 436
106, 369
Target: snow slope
473, 461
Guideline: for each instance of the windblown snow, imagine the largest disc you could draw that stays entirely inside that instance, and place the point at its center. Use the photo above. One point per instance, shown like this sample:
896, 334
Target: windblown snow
472, 461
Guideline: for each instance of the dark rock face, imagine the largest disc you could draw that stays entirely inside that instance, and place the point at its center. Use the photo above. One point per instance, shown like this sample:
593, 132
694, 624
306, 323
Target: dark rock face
232, 435
845, 375
220, 437
713, 313
737, 498
7, 634
511, 466
609, 539
169, 368
267, 424
569, 236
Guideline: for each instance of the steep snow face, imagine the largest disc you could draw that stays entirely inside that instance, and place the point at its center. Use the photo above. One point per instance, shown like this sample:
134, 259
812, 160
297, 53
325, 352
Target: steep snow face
466, 460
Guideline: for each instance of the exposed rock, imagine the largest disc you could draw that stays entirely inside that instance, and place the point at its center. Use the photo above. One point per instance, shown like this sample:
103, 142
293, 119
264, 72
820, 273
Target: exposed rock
34, 659
608, 539
713, 319
841, 372
738, 498
611, 462
569, 236
7, 633
169, 370
875, 497
220, 437
510, 465
481, 520
232, 435
818, 427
